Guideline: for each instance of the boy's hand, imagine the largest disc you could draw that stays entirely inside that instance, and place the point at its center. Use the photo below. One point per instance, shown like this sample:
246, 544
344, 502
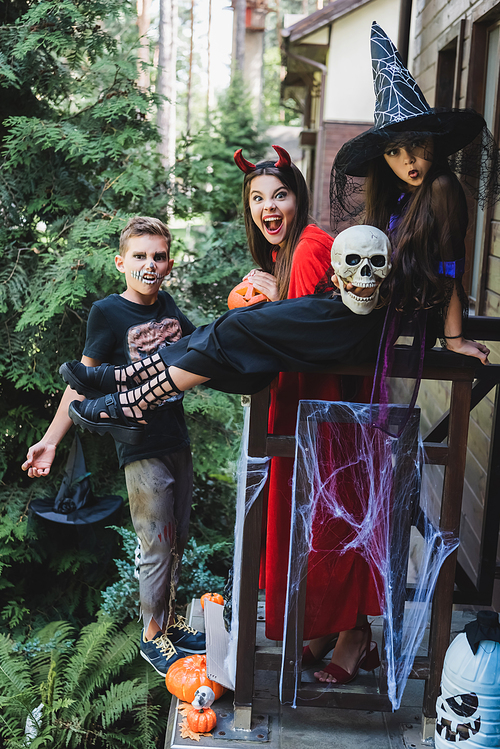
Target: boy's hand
39, 459
265, 283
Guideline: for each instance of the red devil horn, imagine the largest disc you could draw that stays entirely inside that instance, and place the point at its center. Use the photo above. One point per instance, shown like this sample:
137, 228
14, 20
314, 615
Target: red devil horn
284, 157
242, 163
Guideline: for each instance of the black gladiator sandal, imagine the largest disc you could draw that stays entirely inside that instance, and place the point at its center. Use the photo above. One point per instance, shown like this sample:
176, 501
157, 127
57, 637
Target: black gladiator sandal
93, 382
87, 413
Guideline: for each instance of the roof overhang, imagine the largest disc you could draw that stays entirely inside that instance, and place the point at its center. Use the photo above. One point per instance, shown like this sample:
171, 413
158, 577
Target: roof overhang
321, 18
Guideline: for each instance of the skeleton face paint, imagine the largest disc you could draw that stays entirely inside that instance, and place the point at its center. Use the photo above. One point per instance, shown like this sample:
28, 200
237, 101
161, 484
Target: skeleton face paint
360, 256
147, 276
145, 264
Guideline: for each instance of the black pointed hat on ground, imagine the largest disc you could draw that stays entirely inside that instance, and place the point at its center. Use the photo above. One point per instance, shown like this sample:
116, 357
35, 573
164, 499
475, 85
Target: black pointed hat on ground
400, 107
75, 503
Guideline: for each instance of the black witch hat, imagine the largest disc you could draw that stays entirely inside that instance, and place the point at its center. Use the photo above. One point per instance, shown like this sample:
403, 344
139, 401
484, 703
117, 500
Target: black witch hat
75, 503
400, 107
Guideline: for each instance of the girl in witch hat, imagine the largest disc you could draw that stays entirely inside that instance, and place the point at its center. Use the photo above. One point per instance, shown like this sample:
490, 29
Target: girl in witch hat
411, 192
293, 255
415, 150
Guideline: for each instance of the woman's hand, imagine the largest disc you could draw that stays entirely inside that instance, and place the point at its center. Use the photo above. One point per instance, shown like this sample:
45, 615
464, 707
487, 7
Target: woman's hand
265, 283
469, 348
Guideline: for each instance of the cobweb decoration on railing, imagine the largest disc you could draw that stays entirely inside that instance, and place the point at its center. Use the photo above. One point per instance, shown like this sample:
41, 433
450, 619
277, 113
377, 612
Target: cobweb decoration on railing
337, 447
398, 97
251, 477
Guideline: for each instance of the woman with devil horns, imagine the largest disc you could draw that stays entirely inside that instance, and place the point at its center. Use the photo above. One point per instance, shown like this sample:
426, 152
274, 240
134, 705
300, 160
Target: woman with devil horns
424, 211
295, 257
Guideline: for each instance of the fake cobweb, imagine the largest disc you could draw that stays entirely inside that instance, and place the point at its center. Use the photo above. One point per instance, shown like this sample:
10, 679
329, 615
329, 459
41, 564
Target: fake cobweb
356, 493
251, 478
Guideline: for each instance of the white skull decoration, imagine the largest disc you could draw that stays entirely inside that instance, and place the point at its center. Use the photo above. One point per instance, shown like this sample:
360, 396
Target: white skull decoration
203, 697
361, 256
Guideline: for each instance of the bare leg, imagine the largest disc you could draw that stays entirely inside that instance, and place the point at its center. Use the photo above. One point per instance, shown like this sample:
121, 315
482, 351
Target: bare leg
318, 645
186, 380
152, 629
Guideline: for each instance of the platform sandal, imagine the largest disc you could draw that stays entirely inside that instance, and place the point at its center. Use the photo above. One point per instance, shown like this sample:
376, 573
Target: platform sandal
140, 400
368, 661
87, 415
93, 382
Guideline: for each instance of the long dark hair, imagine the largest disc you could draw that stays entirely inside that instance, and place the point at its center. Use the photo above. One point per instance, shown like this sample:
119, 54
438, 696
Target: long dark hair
260, 248
413, 281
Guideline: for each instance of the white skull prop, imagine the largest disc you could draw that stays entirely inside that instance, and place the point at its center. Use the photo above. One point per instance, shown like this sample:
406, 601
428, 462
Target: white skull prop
203, 697
361, 256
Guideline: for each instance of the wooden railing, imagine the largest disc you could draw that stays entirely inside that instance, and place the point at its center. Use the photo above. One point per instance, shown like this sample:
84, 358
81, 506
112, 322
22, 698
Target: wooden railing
445, 444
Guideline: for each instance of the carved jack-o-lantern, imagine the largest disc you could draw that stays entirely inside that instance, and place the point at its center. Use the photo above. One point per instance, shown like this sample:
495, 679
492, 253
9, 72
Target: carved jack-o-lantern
457, 717
244, 294
468, 705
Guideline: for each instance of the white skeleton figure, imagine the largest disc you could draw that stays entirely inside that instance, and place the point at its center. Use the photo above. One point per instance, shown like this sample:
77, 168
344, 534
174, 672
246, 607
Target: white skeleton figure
147, 275
361, 257
203, 697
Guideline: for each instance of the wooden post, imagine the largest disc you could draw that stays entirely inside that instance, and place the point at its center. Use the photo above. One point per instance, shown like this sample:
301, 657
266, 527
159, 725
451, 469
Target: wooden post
250, 564
439, 636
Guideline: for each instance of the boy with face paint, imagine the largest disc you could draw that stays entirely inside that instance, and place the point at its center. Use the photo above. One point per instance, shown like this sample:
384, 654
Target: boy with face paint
122, 329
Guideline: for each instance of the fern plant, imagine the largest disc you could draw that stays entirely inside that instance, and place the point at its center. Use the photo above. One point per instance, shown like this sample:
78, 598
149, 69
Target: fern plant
78, 691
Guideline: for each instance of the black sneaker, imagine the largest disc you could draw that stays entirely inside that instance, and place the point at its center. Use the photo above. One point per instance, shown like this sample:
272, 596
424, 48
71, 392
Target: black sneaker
160, 652
181, 635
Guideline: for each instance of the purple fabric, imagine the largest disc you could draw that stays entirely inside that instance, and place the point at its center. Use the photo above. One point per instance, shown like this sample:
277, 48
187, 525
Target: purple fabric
451, 269
385, 361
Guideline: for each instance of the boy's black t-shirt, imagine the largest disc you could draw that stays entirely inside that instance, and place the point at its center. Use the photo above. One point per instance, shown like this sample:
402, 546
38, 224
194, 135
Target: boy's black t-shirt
120, 332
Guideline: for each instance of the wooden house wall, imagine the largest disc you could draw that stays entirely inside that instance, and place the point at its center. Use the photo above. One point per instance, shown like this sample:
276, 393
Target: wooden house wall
437, 23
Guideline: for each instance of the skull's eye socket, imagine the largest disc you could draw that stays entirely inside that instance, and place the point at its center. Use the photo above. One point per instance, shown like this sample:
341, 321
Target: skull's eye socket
378, 261
352, 259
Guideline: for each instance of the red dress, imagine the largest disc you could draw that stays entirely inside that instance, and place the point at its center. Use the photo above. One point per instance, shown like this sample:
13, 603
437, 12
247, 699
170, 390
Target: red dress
345, 579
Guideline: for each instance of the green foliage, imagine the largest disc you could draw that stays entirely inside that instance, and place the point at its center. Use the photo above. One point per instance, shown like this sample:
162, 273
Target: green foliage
196, 576
120, 601
210, 182
48, 570
71, 691
78, 158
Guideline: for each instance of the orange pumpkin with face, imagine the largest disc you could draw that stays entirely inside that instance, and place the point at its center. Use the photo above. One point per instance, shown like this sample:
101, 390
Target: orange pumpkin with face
244, 295
201, 720
187, 674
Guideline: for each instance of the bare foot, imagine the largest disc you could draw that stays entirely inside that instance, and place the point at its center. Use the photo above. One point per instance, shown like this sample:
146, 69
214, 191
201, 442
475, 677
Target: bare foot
349, 648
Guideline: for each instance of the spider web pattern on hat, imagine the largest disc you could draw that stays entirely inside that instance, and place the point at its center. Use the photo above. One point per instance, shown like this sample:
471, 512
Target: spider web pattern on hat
398, 96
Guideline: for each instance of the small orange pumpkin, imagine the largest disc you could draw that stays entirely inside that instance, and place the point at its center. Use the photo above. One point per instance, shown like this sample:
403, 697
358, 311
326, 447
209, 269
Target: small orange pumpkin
187, 674
215, 597
244, 294
201, 720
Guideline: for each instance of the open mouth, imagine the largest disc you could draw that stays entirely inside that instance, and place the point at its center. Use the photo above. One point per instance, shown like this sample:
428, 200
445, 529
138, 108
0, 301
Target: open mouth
273, 224
413, 174
148, 277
